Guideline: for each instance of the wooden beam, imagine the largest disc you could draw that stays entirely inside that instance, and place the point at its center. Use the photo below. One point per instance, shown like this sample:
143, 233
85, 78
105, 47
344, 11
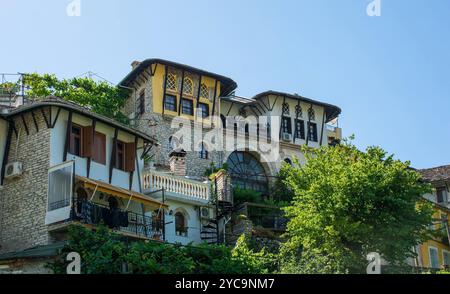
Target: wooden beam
215, 97
112, 161
309, 122
282, 115
273, 105
89, 160
6, 154
25, 124
56, 118
136, 140
165, 87
35, 121
47, 122
68, 132
136, 163
198, 94
231, 106
323, 126
153, 71
181, 91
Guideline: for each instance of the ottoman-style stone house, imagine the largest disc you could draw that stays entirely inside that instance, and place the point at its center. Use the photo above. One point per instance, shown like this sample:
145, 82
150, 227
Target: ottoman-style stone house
62, 164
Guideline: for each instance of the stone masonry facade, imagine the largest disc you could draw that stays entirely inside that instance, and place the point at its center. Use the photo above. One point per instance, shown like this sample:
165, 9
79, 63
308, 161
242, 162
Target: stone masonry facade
159, 126
23, 200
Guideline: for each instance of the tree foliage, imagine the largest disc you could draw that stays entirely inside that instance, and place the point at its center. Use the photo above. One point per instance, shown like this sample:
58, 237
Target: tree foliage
100, 97
348, 203
104, 252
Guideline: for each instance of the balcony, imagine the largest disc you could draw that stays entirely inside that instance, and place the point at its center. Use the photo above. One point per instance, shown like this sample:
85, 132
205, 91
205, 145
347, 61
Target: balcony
177, 187
265, 216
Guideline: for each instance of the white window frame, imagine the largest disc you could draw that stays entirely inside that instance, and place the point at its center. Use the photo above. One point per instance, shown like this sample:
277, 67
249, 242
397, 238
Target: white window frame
429, 256
62, 213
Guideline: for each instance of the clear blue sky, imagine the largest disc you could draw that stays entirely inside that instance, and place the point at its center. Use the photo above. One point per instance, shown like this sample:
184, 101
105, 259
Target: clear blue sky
389, 74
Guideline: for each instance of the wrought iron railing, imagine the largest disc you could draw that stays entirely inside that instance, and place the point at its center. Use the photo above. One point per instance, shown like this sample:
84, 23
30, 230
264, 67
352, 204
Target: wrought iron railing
137, 224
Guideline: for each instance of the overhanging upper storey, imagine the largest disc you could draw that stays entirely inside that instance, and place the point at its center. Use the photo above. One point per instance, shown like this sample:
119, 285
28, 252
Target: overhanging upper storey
331, 111
227, 84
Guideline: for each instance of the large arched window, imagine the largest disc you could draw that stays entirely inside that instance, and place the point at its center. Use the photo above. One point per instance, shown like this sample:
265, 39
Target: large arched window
247, 172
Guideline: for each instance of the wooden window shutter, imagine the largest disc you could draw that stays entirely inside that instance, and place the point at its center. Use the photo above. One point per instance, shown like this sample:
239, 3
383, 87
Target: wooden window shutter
99, 150
88, 141
130, 156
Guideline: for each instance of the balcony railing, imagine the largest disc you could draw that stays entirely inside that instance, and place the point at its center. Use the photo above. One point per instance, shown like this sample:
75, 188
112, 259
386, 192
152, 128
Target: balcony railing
266, 216
153, 181
122, 221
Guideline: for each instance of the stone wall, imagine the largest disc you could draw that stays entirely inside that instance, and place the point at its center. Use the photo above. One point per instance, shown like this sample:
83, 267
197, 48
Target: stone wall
159, 126
23, 200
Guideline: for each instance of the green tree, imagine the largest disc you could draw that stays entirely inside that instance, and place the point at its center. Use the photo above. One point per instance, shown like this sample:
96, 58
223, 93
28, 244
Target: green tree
348, 203
100, 97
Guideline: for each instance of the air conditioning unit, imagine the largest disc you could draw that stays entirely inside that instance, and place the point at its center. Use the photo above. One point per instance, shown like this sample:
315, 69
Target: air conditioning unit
287, 137
13, 170
206, 213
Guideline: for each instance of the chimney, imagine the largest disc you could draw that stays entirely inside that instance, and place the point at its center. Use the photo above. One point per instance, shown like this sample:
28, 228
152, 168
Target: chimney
177, 162
135, 64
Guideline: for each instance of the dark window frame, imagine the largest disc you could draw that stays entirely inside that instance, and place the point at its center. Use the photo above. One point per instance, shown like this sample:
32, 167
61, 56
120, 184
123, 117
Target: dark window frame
286, 125
120, 156
101, 159
190, 108
168, 106
312, 132
73, 145
204, 111
203, 153
299, 129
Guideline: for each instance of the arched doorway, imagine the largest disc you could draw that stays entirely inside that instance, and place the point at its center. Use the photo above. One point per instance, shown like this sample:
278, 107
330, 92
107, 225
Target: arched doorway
247, 172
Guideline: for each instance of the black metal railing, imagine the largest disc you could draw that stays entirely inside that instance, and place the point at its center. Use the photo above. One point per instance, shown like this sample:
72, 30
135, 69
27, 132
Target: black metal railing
119, 220
266, 216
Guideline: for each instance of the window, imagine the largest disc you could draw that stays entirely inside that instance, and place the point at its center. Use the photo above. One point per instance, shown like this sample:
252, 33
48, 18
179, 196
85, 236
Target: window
247, 172
311, 114
298, 111
441, 195
203, 151
125, 157
446, 258
59, 198
75, 140
170, 103
204, 110
204, 93
142, 102
285, 109
312, 132
120, 155
286, 125
99, 150
434, 259
187, 106
180, 224
288, 161
188, 86
299, 129
171, 82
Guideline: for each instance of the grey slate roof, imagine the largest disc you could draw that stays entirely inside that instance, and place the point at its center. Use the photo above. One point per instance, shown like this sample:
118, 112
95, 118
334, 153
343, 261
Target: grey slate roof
440, 173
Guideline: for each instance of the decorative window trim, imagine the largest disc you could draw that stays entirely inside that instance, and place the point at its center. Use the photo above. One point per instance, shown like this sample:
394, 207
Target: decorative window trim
204, 91
298, 111
188, 86
285, 109
311, 114
171, 84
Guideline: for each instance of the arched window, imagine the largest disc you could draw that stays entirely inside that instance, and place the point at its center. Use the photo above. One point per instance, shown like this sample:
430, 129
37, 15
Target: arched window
171, 82
188, 86
204, 93
311, 114
247, 172
180, 224
288, 161
285, 109
203, 151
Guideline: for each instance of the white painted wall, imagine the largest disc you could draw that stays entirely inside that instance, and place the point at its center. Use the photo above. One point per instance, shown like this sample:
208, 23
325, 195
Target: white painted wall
98, 171
3, 135
194, 223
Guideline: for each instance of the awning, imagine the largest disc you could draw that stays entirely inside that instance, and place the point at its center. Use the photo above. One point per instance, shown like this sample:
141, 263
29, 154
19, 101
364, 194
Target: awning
121, 193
